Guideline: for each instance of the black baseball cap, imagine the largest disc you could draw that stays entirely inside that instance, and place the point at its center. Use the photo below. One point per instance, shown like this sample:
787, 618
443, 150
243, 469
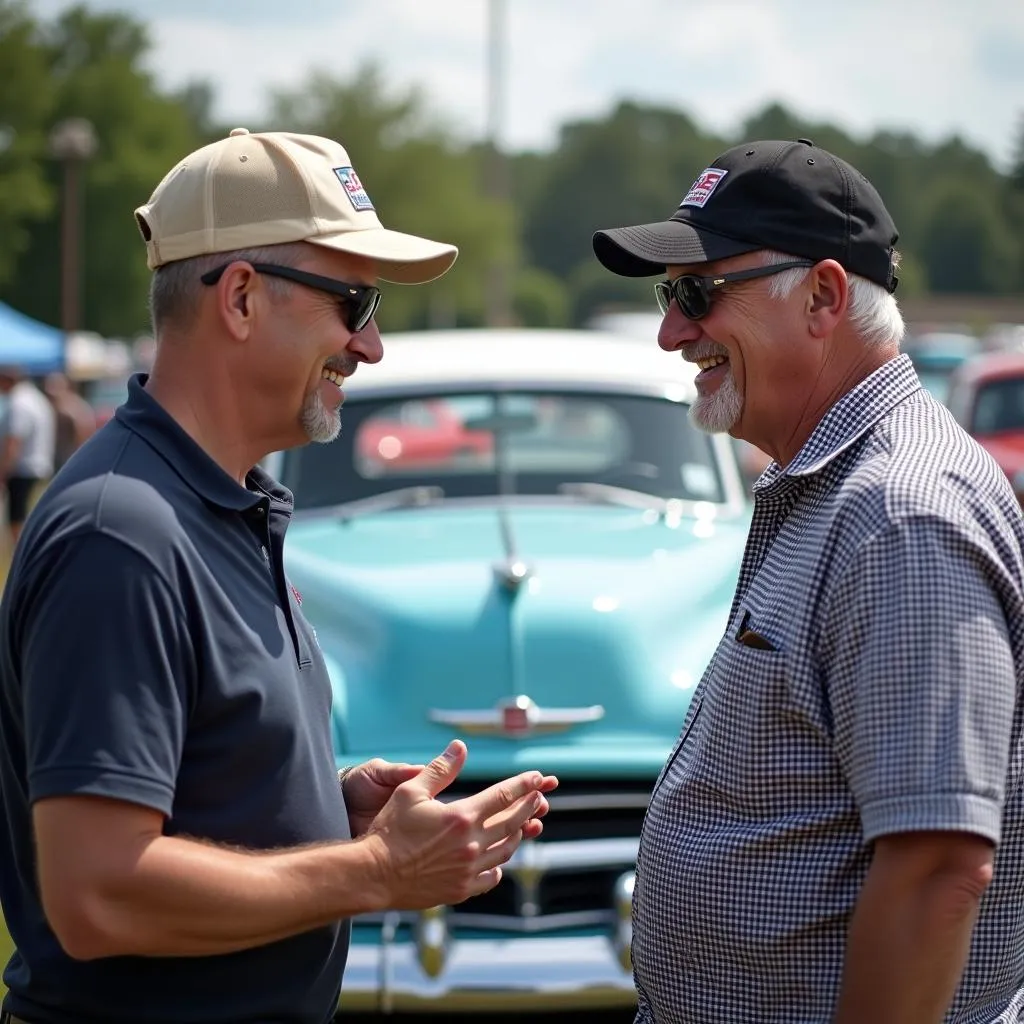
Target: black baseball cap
792, 197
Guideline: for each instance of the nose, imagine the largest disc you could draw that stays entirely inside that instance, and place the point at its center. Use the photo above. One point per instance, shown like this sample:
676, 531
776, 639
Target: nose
367, 344
676, 330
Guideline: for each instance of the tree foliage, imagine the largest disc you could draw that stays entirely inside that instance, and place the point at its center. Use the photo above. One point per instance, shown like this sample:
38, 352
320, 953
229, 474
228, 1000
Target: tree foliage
93, 64
961, 219
26, 101
420, 180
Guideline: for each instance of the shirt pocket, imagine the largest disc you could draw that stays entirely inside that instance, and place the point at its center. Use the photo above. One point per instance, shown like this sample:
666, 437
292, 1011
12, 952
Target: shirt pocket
736, 742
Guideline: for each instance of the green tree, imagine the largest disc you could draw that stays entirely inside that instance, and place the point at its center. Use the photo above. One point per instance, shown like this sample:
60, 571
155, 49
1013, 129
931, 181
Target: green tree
421, 180
594, 290
967, 245
631, 167
95, 64
776, 122
197, 99
1015, 199
1017, 159
26, 100
540, 299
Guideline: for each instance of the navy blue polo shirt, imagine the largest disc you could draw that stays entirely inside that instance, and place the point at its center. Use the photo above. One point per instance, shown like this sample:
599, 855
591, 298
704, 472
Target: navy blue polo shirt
153, 651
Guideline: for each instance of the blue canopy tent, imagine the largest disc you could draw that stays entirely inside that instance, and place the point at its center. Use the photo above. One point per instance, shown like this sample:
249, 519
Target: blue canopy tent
34, 347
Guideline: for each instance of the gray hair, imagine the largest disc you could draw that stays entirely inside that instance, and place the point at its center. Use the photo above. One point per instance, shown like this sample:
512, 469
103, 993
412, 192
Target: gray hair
175, 288
872, 310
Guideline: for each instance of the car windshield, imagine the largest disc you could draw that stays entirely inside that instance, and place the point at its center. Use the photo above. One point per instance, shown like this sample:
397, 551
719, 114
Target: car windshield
999, 406
486, 443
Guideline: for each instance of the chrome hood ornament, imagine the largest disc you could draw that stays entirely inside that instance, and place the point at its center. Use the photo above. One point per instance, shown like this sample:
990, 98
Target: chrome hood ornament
516, 717
512, 573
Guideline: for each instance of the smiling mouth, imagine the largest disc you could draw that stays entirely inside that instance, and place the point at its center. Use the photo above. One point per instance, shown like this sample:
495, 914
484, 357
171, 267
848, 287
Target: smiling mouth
333, 376
710, 362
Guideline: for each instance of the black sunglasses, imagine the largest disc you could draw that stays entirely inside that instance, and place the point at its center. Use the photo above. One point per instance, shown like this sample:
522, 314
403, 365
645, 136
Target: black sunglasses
361, 300
693, 292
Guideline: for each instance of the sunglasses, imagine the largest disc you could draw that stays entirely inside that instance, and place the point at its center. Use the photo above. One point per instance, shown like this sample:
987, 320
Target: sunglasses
693, 292
360, 300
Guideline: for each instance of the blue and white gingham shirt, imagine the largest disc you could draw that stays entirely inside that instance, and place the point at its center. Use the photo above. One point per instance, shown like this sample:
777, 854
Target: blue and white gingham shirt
884, 572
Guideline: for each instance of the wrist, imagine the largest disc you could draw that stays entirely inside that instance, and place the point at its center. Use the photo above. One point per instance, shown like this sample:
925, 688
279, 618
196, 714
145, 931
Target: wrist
373, 872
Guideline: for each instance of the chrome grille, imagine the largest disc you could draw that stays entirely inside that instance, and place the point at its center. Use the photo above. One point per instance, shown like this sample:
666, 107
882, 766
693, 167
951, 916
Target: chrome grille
567, 877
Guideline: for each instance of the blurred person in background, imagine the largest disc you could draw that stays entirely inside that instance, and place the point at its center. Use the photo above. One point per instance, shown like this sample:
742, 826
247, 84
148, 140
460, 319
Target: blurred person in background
27, 440
76, 418
179, 846
838, 835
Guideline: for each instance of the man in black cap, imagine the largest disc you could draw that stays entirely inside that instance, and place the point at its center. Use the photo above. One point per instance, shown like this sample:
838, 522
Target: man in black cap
837, 836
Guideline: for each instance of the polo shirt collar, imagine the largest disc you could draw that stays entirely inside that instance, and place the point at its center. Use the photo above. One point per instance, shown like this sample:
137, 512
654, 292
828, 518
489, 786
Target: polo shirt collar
850, 419
143, 415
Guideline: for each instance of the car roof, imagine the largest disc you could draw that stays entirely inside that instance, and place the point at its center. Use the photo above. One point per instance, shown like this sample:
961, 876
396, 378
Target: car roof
525, 355
991, 366
943, 341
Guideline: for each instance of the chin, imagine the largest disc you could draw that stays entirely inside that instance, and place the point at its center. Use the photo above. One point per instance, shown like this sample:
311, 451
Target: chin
319, 424
719, 412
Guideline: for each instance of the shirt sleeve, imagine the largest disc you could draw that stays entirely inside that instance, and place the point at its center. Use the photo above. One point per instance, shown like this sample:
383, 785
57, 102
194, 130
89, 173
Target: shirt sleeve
921, 680
106, 672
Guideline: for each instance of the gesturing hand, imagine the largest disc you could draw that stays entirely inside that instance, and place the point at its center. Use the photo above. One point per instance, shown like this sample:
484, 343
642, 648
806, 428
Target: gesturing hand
431, 853
369, 786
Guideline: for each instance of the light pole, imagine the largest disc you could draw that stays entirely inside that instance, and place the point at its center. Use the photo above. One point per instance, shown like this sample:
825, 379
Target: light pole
72, 142
499, 306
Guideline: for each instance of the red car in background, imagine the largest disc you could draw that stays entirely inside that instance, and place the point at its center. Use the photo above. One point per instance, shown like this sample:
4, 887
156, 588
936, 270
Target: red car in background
418, 434
986, 396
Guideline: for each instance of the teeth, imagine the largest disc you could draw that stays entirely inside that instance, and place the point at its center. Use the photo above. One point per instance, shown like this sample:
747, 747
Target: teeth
333, 377
706, 364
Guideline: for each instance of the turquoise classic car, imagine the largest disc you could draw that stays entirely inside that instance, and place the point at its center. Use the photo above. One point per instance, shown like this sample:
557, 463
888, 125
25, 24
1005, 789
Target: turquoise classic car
518, 539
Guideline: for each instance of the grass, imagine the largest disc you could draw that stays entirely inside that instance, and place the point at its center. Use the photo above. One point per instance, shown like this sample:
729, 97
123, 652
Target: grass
6, 949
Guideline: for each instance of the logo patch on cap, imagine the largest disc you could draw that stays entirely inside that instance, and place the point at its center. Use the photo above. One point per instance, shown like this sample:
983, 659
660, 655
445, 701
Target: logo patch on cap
353, 188
706, 183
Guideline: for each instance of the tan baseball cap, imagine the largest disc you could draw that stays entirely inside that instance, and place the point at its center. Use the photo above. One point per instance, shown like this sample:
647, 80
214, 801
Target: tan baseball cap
268, 188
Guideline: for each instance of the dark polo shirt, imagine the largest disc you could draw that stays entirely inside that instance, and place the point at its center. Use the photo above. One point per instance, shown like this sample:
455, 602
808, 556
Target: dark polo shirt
152, 651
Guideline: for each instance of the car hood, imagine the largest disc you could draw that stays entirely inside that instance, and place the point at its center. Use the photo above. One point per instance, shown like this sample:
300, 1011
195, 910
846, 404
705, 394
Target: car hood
417, 617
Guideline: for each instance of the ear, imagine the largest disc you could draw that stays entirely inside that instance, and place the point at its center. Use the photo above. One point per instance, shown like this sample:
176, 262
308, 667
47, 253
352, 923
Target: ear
236, 299
827, 298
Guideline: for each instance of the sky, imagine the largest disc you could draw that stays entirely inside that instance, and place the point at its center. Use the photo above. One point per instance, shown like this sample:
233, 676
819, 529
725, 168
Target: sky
933, 67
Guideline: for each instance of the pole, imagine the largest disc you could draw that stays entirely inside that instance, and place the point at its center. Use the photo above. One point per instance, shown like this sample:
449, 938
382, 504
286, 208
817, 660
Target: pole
69, 250
72, 143
498, 305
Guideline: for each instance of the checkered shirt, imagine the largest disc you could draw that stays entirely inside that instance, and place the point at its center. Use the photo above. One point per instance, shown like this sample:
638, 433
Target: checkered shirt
884, 585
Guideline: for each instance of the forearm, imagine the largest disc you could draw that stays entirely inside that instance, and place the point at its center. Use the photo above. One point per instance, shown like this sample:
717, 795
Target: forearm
187, 898
907, 948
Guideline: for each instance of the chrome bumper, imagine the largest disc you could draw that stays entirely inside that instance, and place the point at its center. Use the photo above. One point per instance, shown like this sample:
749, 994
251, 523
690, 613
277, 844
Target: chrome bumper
450, 960
521, 972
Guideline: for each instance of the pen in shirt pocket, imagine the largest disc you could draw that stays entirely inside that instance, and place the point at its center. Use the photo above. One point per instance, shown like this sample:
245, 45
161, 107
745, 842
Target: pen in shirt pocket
751, 638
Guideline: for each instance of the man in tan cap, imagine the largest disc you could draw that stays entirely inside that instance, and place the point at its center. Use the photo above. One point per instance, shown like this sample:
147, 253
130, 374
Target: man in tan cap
178, 847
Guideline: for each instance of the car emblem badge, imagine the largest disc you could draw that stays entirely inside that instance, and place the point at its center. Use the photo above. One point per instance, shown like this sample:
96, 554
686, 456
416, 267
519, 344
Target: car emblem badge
515, 718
